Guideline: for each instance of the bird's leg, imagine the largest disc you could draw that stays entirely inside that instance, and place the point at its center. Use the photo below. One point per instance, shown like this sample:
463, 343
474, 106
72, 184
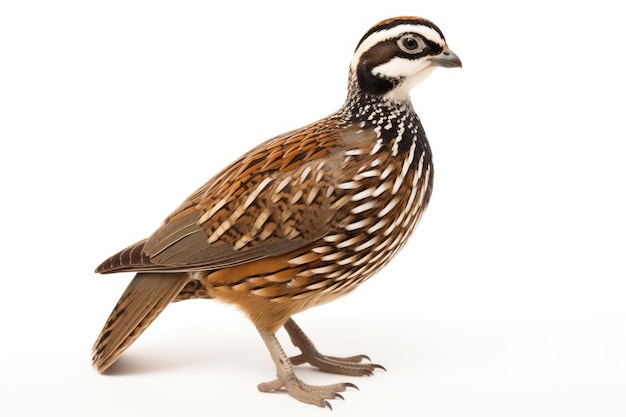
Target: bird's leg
286, 378
352, 365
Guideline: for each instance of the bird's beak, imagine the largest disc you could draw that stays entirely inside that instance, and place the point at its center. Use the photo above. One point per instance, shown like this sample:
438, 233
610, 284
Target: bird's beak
447, 59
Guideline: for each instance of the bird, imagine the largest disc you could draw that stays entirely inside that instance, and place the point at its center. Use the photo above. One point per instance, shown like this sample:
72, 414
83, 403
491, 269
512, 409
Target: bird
301, 219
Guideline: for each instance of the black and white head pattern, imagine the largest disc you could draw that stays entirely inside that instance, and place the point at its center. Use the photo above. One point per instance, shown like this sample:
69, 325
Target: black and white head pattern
395, 55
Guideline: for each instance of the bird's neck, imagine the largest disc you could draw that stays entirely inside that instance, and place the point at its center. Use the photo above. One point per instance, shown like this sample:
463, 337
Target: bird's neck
375, 109
394, 121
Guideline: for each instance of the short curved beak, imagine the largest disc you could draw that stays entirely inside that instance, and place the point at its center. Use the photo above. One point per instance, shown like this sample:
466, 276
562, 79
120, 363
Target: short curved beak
447, 59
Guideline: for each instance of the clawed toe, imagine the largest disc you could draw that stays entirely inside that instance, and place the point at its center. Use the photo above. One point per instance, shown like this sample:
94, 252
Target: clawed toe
352, 359
357, 365
352, 366
310, 394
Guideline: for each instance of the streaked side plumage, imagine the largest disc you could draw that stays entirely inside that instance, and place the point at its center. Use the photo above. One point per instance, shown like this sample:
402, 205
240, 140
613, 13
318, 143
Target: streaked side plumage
301, 219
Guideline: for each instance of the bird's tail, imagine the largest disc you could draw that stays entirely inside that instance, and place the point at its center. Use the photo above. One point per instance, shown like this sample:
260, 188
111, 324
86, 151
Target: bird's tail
144, 299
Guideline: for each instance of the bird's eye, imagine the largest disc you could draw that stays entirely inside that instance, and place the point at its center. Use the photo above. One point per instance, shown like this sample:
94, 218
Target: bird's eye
411, 44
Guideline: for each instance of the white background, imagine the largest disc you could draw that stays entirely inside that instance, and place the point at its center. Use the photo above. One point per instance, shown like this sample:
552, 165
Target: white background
508, 300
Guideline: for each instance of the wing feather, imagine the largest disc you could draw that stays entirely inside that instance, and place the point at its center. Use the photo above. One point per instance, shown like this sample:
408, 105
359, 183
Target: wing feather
273, 200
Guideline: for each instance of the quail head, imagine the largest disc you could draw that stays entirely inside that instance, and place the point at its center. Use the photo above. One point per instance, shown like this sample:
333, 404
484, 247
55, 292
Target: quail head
301, 219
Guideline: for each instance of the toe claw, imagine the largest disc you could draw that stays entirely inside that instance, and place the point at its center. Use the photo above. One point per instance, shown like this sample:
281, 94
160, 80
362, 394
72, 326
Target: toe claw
377, 366
351, 385
327, 404
339, 396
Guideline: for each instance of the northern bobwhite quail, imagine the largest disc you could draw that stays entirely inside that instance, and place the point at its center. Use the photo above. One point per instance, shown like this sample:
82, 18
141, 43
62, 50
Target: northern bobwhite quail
301, 219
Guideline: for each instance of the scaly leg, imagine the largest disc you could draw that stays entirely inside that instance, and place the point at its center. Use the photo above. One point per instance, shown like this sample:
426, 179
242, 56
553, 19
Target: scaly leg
351, 365
286, 378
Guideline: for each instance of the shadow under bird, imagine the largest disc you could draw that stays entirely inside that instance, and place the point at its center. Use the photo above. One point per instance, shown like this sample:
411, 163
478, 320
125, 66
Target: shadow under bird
301, 219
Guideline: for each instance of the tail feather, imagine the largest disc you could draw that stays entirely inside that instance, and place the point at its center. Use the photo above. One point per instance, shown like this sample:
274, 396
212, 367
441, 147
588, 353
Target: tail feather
144, 299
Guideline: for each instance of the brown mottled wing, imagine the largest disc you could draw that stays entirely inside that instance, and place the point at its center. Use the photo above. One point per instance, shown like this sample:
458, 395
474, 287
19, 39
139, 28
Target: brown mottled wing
278, 197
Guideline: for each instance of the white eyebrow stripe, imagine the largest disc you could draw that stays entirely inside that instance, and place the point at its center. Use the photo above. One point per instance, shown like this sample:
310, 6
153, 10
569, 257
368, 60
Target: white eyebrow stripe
382, 35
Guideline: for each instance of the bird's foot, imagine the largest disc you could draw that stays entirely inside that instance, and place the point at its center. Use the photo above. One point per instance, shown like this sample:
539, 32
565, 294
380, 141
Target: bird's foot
310, 394
352, 365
